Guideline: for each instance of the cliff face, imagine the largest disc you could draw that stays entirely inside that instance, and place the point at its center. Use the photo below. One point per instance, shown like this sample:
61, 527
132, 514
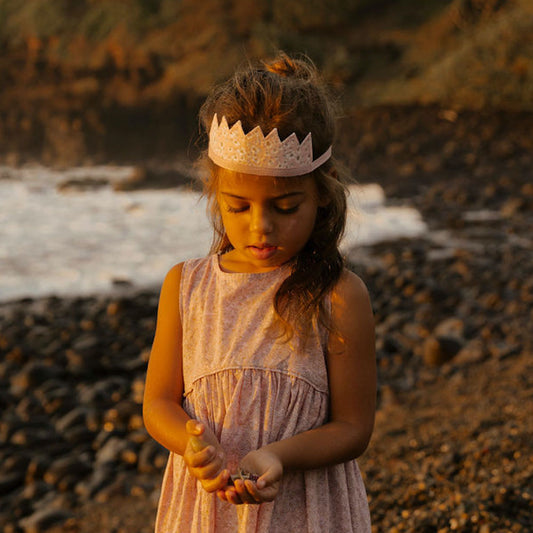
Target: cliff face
107, 80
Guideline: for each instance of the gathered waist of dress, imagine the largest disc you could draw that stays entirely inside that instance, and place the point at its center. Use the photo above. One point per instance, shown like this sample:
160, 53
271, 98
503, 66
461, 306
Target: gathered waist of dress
254, 375
250, 407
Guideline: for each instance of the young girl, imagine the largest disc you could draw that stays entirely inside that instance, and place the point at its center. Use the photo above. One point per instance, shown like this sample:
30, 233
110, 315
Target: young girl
262, 378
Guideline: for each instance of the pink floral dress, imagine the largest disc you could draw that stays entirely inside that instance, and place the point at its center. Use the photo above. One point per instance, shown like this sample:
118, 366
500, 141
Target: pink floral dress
252, 389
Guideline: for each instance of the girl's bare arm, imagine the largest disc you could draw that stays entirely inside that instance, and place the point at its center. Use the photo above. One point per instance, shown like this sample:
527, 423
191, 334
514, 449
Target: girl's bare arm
164, 416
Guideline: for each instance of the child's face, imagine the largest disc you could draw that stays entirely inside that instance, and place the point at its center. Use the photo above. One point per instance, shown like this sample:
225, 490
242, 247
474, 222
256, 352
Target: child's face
267, 220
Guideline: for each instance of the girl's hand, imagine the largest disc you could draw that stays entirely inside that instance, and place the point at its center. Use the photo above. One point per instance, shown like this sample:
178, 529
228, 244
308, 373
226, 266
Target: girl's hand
204, 457
268, 467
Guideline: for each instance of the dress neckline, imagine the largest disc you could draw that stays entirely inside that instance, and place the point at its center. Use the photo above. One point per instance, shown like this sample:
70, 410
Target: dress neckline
274, 272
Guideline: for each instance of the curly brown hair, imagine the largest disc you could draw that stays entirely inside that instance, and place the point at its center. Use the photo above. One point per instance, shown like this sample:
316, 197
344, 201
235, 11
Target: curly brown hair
288, 94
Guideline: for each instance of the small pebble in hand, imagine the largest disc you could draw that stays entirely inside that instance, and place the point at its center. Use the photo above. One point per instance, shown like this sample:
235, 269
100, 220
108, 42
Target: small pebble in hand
244, 475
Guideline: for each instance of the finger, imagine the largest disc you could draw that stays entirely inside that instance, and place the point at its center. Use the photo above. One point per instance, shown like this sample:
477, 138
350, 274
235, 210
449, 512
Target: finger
201, 458
224, 492
251, 487
196, 444
209, 472
266, 495
216, 483
242, 491
231, 496
229, 484
264, 480
194, 427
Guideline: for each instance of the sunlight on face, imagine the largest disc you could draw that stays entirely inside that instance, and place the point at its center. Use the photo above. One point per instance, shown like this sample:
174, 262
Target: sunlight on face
268, 220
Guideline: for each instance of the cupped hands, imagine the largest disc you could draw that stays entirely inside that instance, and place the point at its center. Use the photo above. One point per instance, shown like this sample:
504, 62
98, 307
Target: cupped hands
264, 464
205, 458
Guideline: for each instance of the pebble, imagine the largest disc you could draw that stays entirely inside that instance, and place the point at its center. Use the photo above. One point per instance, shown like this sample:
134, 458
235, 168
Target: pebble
101, 476
70, 466
44, 519
473, 352
440, 350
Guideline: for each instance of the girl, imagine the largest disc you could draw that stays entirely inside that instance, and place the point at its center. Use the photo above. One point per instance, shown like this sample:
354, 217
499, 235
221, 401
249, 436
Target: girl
262, 378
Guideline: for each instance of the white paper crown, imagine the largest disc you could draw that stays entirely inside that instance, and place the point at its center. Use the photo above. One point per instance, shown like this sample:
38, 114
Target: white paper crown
253, 153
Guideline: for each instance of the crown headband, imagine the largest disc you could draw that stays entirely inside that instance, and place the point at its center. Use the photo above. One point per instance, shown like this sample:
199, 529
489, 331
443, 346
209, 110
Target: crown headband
253, 153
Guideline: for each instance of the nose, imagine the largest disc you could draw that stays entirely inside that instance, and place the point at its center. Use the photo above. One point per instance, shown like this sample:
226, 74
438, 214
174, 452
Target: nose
261, 221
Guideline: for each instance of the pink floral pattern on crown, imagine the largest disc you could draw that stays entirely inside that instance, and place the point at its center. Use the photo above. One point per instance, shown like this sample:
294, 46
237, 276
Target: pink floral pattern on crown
253, 153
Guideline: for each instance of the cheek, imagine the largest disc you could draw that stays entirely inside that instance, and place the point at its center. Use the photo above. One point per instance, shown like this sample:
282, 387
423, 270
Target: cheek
302, 227
235, 228
229, 225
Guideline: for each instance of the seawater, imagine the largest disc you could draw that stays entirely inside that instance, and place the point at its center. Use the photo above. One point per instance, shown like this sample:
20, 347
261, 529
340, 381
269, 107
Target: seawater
82, 242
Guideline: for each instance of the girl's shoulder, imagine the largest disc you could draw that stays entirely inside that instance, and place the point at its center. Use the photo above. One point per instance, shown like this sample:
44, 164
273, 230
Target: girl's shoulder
187, 274
352, 320
351, 307
172, 281
209, 262
350, 289
184, 268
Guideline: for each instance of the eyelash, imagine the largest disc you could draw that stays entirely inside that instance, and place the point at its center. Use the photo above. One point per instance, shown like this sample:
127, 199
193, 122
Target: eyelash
281, 211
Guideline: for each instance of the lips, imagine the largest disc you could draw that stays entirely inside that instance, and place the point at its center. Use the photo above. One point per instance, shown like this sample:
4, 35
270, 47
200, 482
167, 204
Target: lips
263, 251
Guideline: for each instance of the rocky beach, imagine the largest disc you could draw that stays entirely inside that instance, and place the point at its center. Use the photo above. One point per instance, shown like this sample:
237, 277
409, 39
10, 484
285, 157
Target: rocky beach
452, 447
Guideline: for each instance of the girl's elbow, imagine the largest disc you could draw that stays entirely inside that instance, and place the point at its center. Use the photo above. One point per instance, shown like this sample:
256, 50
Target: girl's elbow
149, 417
360, 439
362, 445
146, 416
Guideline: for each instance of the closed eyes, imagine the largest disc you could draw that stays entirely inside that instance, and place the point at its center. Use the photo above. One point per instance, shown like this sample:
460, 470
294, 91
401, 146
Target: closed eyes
278, 209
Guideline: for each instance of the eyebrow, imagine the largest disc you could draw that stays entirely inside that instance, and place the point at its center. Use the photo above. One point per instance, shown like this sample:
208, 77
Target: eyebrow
281, 197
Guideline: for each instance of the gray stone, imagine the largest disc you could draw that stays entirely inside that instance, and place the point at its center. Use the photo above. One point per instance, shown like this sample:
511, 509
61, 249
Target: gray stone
102, 476
77, 416
67, 466
111, 450
44, 519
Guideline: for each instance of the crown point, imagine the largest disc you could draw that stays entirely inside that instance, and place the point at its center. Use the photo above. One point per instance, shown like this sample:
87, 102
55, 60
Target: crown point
307, 146
291, 143
273, 137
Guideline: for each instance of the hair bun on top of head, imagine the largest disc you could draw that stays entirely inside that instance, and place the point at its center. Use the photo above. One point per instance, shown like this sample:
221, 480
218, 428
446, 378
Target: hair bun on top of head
284, 65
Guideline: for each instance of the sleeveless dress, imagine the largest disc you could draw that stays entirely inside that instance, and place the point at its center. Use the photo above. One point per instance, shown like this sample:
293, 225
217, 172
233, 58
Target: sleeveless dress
251, 390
